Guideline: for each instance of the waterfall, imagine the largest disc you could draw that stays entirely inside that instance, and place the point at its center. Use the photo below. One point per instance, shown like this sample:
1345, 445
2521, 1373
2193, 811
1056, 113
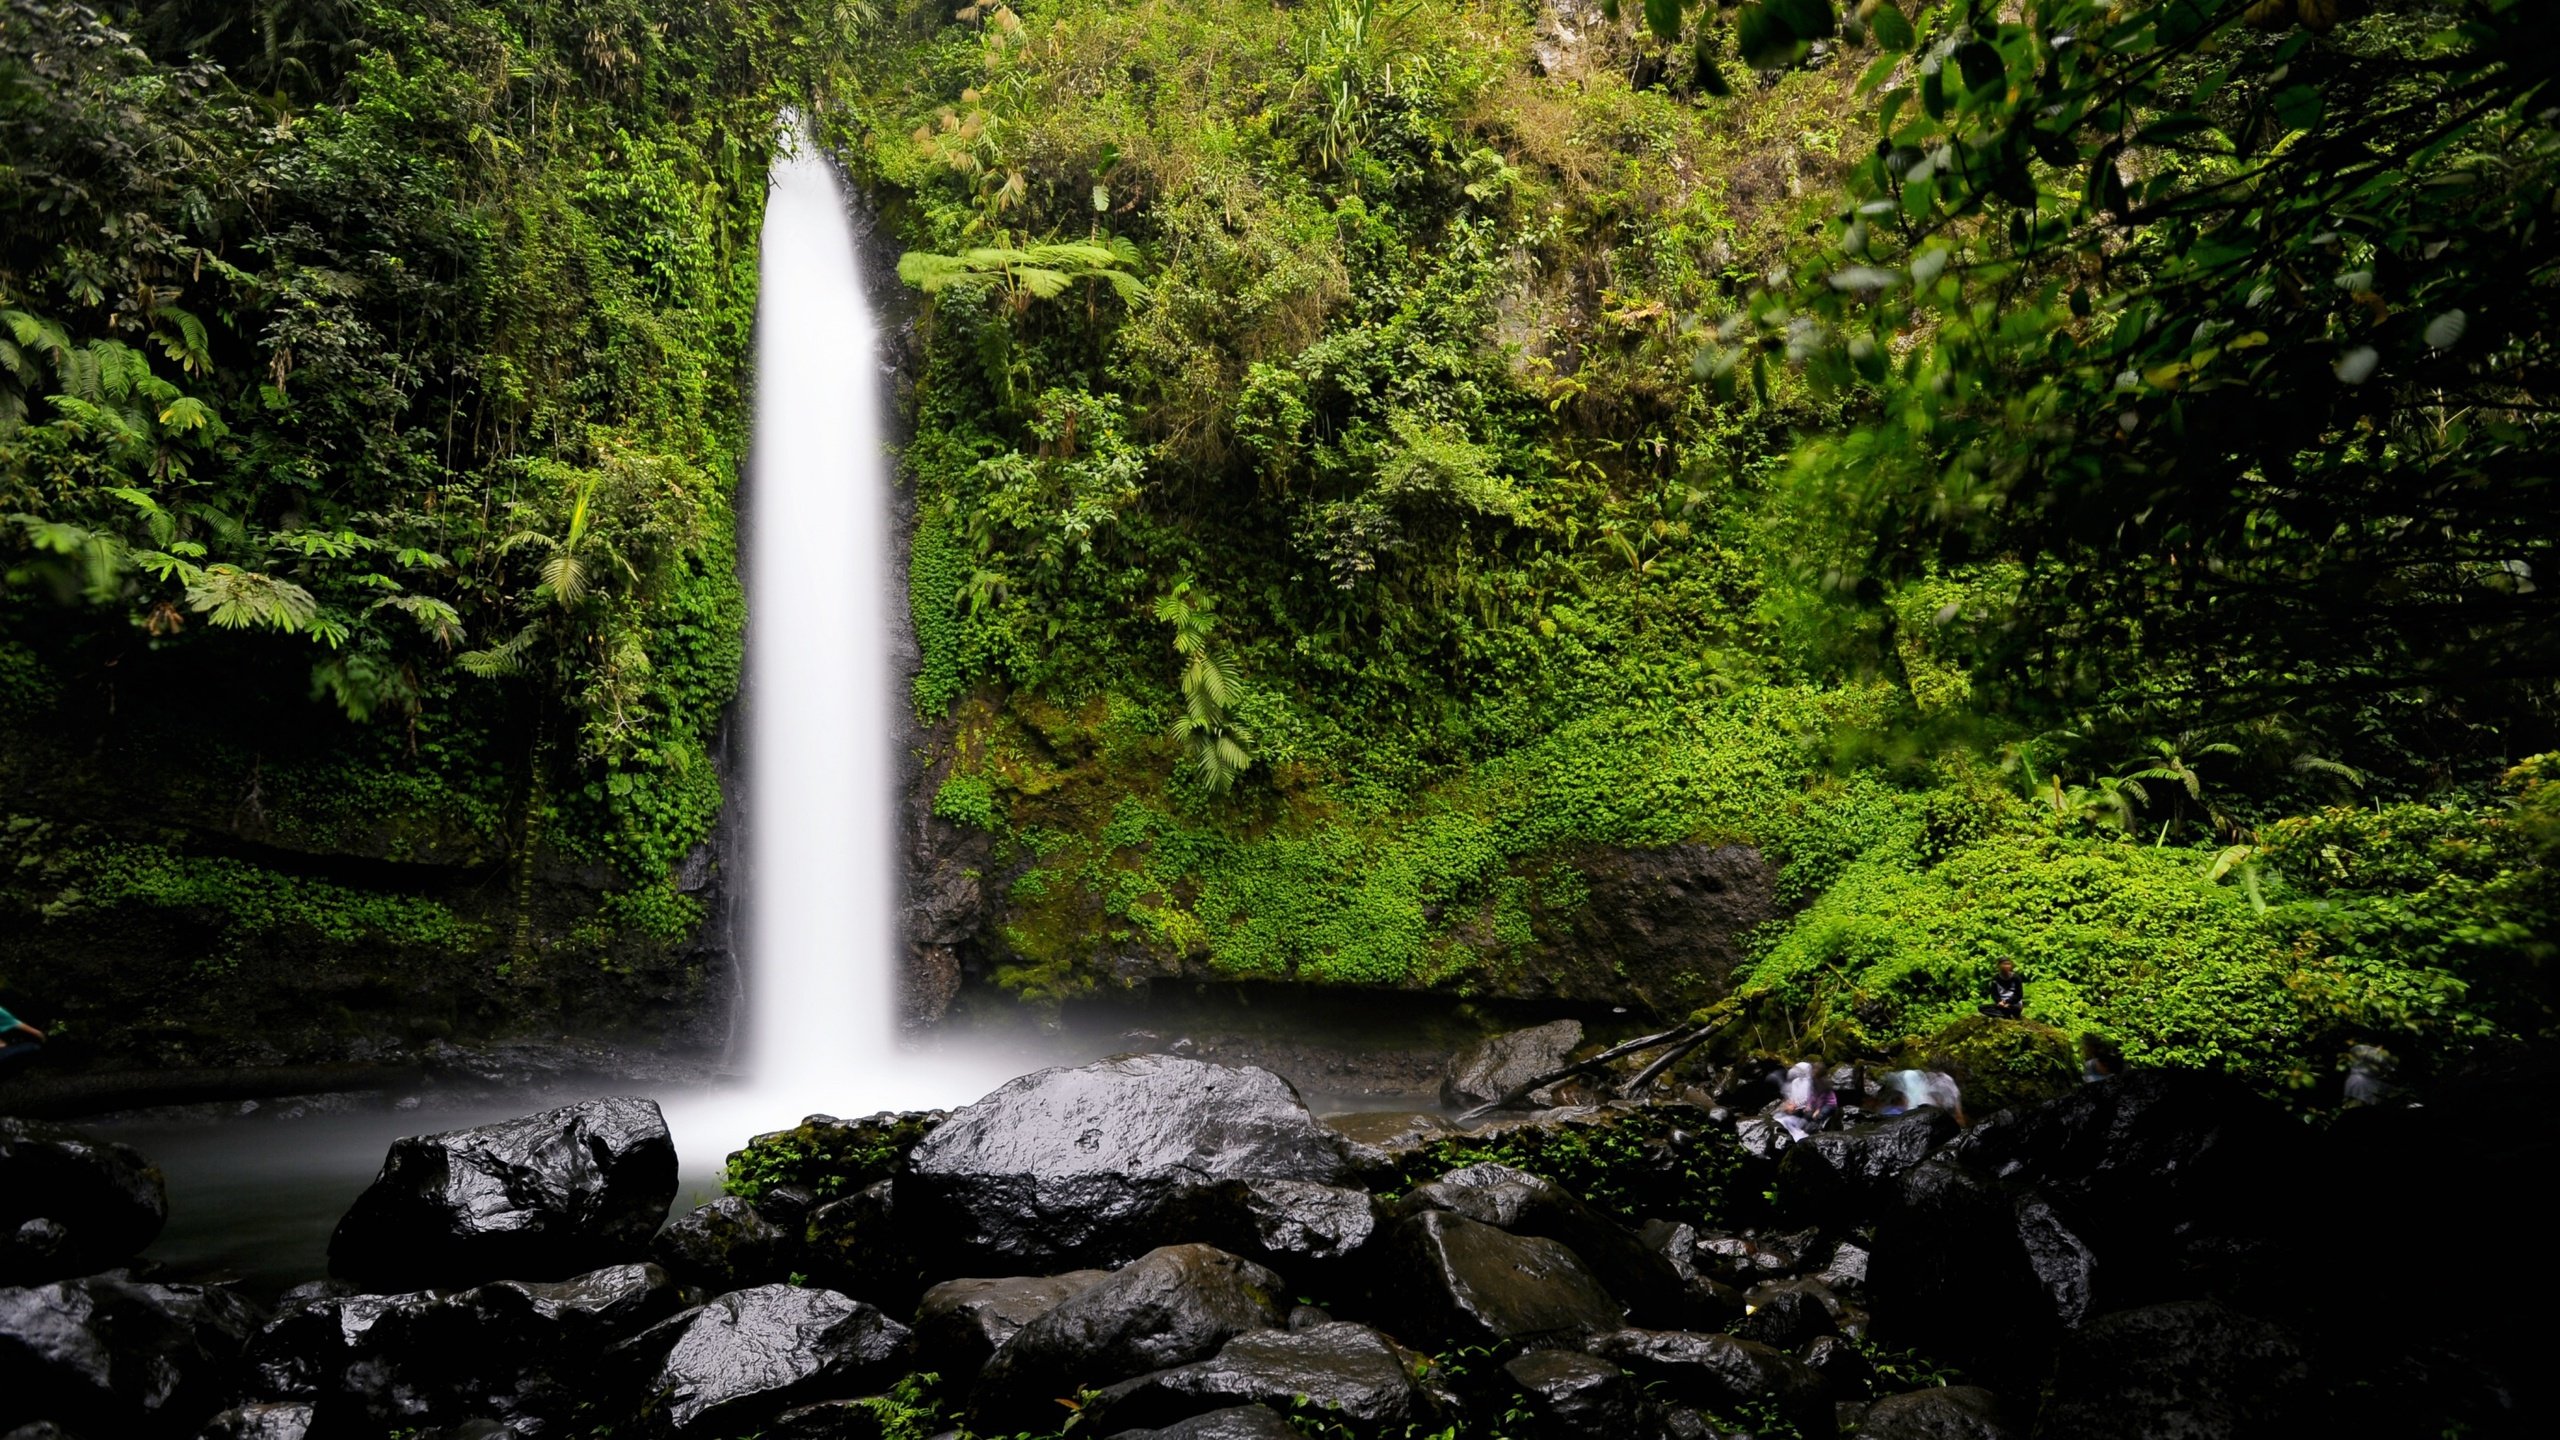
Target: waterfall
822, 881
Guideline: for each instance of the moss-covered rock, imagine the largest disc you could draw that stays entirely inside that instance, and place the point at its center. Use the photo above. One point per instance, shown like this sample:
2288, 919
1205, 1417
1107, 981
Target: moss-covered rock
2002, 1064
829, 1157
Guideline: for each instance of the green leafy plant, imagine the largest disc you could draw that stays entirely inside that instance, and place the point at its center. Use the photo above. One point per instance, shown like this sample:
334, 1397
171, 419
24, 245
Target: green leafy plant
1212, 743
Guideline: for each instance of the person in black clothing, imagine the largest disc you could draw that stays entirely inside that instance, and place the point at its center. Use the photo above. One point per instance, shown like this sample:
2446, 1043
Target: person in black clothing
2008, 993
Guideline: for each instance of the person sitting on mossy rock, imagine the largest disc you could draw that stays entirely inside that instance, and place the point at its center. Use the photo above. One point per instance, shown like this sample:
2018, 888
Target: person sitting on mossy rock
2008, 993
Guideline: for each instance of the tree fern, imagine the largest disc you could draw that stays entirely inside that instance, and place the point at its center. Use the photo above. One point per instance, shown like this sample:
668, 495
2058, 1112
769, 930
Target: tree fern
1212, 743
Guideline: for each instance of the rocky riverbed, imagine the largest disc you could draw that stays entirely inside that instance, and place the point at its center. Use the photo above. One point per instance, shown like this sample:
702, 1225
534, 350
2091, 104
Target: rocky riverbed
1159, 1246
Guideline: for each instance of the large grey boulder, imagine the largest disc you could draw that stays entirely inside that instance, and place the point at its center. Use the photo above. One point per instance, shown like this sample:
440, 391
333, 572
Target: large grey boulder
538, 1198
106, 1356
1642, 1277
724, 1245
2191, 1369
1721, 1373
1838, 1177
1169, 1307
266, 1420
959, 1323
1491, 1068
1570, 1394
1340, 1374
2168, 1176
1949, 1412
863, 1246
522, 1352
1304, 1230
1243, 1422
1448, 1281
1985, 1274
1077, 1166
751, 1354
72, 1204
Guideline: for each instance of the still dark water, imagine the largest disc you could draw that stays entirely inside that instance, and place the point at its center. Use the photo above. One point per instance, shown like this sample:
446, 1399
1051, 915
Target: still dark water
255, 1190
254, 1197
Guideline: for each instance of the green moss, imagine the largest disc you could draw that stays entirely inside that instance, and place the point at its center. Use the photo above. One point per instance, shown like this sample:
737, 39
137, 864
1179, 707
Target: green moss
827, 1157
1636, 1164
87, 881
967, 800
2003, 1063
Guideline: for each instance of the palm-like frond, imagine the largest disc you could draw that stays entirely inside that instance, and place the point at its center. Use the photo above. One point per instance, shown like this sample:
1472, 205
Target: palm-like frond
505, 658
237, 599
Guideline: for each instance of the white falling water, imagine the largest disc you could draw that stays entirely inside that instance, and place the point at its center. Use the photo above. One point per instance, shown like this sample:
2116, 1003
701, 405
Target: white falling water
822, 878
822, 875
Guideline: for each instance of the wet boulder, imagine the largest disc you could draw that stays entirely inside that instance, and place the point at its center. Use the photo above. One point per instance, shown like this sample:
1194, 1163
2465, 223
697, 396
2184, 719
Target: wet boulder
542, 1197
270, 1420
959, 1323
520, 1351
2167, 1175
724, 1245
1838, 1177
1243, 1422
303, 1351
1721, 1373
1340, 1374
1840, 1364
1707, 1303
1639, 1275
72, 1204
1076, 1166
1300, 1228
860, 1245
2191, 1369
117, 1357
1450, 1281
1788, 1314
1169, 1307
1570, 1394
857, 1419
1949, 1412
1493, 1067
751, 1354
1846, 1271
1986, 1274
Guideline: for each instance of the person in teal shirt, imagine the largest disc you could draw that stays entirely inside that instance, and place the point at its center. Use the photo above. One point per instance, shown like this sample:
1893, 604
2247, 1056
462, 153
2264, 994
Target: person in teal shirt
18, 1040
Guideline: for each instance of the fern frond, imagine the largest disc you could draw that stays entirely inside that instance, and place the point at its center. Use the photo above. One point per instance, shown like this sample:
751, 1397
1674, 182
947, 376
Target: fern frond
502, 659
564, 578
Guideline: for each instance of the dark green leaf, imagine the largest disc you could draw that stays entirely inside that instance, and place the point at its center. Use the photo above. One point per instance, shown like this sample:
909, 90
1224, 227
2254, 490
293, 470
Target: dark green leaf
1891, 30
2298, 107
1706, 74
1809, 19
1765, 38
1981, 65
1662, 17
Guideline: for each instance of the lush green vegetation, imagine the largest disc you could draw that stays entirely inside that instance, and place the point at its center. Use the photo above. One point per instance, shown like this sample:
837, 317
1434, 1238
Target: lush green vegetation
370, 404
1586, 450
2064, 480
